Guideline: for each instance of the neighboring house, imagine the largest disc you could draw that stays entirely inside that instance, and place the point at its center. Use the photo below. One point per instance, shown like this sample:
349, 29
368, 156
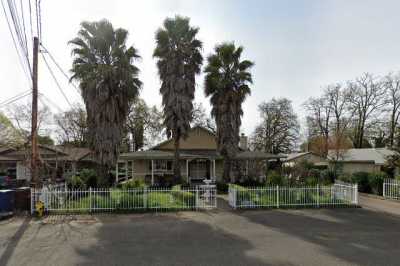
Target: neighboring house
199, 160
361, 160
311, 157
58, 162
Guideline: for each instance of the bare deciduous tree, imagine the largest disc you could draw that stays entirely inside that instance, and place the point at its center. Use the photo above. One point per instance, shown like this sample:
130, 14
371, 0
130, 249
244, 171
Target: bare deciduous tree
72, 127
392, 85
201, 118
279, 129
366, 96
319, 119
144, 124
21, 116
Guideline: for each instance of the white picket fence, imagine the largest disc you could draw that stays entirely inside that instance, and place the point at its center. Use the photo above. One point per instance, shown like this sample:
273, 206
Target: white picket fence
391, 189
109, 200
339, 194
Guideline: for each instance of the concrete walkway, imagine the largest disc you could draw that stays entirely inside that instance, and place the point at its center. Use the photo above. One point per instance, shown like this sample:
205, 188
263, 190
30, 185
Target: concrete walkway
378, 204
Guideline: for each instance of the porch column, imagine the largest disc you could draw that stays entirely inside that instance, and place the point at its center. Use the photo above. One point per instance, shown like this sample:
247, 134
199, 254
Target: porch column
126, 169
133, 170
214, 176
187, 170
116, 173
152, 172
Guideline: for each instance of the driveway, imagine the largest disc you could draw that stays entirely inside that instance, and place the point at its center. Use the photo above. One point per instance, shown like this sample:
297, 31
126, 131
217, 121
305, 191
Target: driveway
379, 204
220, 237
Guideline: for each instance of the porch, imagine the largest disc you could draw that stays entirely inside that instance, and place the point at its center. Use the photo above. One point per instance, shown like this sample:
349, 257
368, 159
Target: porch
158, 170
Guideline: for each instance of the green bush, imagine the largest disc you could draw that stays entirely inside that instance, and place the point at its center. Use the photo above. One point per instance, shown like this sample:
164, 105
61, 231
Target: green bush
367, 182
75, 182
362, 179
222, 187
89, 177
274, 178
184, 198
327, 176
311, 181
376, 182
133, 184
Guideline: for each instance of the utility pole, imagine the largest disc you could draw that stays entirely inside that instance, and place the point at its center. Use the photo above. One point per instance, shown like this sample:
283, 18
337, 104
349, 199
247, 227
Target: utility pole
34, 156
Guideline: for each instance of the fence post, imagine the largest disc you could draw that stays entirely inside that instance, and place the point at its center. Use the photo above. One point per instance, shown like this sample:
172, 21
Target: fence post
384, 188
318, 195
356, 194
145, 198
234, 198
197, 198
90, 199
277, 196
32, 200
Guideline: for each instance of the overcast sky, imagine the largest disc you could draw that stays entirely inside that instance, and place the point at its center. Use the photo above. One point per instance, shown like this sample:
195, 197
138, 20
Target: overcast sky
297, 46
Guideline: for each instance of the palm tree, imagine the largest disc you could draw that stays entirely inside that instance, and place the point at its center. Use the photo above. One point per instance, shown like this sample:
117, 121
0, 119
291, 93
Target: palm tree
179, 60
104, 67
227, 82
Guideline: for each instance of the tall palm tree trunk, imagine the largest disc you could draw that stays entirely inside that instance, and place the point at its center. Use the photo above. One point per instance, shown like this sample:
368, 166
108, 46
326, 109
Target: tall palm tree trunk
177, 167
227, 170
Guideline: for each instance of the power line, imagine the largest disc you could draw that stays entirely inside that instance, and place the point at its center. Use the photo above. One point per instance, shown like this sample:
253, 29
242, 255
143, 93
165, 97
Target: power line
20, 56
51, 102
60, 68
56, 81
5, 103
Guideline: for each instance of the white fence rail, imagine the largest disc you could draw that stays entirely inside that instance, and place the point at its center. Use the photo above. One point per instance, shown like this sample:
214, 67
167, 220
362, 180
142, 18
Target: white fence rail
109, 200
339, 194
391, 189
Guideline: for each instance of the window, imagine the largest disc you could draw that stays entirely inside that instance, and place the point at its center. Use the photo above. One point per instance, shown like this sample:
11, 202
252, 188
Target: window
161, 165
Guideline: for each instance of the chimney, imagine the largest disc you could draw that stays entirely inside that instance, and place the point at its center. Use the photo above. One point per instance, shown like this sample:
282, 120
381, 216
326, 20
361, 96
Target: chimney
243, 142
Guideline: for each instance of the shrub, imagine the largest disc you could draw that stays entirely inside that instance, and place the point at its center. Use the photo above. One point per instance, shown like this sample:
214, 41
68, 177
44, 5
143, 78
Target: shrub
132, 184
274, 178
327, 176
76, 182
362, 179
311, 181
89, 177
376, 182
222, 187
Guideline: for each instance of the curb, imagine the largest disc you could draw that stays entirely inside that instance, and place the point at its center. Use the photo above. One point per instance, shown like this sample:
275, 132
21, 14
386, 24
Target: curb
371, 196
5, 215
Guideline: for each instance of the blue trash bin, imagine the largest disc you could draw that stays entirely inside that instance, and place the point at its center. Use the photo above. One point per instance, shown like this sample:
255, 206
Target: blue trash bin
7, 200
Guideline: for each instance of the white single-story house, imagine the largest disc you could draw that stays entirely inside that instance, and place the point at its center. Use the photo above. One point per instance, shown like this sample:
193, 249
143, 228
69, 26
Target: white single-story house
360, 160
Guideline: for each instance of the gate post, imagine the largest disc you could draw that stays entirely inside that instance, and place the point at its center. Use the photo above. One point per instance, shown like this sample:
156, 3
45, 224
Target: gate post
197, 197
355, 194
145, 198
32, 200
277, 196
90, 199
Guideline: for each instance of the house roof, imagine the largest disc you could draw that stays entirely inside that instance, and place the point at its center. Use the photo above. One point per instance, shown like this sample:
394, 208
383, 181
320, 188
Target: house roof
73, 153
193, 154
156, 147
296, 155
257, 155
154, 154
5, 158
49, 153
372, 155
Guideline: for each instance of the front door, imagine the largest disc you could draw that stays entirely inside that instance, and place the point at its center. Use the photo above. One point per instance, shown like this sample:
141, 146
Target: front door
199, 170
